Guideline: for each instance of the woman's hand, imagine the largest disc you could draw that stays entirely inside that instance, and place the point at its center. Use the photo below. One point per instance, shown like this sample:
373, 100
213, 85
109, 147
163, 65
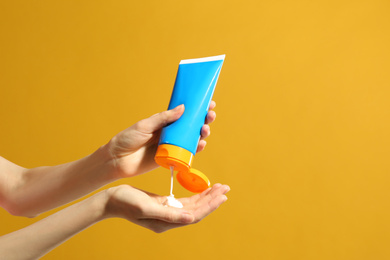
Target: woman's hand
150, 211
142, 208
133, 149
29, 192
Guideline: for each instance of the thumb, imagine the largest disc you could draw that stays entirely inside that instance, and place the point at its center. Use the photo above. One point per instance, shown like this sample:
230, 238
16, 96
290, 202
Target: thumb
158, 121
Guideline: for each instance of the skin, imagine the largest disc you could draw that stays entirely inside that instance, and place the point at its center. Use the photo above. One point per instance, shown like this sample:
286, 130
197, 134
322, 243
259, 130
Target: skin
29, 192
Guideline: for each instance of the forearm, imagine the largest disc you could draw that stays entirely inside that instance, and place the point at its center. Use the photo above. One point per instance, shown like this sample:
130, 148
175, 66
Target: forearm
39, 238
44, 188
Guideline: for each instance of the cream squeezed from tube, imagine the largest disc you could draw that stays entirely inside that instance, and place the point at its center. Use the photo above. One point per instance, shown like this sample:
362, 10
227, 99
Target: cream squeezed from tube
171, 198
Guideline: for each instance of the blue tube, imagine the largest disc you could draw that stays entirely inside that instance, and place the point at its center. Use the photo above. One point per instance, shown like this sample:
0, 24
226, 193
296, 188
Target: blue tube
194, 87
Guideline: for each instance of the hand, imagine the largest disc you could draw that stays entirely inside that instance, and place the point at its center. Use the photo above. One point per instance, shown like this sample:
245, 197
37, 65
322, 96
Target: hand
133, 149
150, 211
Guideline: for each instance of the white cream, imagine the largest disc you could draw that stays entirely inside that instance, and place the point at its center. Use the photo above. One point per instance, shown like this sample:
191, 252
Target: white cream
171, 201
174, 202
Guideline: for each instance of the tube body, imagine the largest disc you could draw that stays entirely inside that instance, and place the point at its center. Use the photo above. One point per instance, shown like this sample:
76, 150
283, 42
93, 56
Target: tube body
194, 87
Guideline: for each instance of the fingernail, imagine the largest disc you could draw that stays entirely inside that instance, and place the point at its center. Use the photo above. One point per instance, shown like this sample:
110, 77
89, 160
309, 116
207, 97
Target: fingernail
225, 198
178, 107
217, 185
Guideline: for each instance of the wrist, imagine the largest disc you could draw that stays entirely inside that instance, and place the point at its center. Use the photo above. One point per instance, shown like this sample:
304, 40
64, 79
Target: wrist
99, 203
118, 202
110, 207
106, 161
111, 158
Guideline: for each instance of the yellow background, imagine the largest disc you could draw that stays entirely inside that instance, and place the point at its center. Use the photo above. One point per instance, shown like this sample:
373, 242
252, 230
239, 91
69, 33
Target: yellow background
301, 136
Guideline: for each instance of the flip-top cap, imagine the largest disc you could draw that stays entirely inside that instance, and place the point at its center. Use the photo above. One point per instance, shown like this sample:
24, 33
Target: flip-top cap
193, 180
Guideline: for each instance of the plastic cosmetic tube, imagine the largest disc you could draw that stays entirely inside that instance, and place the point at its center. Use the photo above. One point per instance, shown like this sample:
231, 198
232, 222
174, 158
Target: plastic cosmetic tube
194, 87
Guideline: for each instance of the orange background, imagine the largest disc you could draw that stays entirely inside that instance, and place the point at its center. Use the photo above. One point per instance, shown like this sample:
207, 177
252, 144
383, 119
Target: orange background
301, 136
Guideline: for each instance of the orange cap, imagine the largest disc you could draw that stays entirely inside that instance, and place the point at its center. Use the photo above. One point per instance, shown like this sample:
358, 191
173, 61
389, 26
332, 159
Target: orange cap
168, 155
193, 180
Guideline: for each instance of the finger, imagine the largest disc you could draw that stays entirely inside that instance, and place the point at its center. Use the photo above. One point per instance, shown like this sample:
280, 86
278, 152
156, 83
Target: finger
195, 198
212, 105
201, 146
205, 131
191, 202
208, 206
218, 189
215, 203
226, 189
210, 117
209, 200
206, 202
158, 121
215, 192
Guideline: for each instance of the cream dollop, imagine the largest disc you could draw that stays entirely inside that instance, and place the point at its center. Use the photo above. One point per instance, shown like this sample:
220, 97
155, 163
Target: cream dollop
171, 201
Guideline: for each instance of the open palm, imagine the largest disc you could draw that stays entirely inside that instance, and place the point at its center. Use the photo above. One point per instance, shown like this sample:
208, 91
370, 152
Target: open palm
151, 211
